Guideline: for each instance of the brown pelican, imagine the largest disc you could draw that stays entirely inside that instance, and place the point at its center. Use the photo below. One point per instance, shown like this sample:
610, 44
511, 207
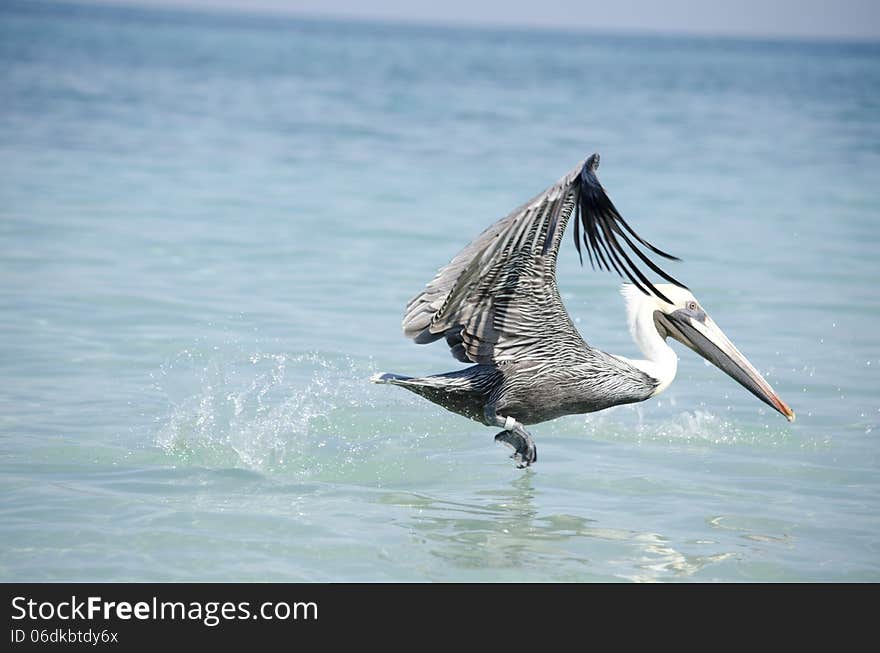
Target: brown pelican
498, 306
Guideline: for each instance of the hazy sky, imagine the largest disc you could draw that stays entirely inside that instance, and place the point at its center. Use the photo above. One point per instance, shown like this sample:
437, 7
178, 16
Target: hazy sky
858, 19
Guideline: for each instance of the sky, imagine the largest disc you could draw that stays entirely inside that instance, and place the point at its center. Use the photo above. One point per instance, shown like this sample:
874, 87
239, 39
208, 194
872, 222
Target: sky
841, 19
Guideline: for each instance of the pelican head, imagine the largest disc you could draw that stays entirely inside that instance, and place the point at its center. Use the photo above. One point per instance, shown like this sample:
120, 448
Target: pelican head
685, 320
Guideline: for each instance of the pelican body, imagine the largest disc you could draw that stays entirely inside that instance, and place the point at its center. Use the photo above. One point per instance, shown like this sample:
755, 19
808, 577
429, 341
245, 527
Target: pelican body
498, 306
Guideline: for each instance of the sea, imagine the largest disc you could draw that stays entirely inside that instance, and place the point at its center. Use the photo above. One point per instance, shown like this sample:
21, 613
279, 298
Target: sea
211, 224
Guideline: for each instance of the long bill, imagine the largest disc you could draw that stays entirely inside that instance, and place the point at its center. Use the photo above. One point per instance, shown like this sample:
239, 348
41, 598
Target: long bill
709, 341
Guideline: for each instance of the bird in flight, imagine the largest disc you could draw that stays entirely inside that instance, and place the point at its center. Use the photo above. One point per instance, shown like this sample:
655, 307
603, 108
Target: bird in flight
497, 305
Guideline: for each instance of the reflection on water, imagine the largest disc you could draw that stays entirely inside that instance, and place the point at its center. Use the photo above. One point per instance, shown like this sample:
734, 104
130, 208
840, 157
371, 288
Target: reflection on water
504, 530
746, 527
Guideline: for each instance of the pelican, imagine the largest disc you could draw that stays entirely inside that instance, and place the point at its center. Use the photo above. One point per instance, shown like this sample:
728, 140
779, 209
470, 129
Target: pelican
498, 306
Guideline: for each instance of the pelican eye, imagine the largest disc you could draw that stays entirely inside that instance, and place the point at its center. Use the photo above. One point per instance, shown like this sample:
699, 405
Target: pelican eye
691, 306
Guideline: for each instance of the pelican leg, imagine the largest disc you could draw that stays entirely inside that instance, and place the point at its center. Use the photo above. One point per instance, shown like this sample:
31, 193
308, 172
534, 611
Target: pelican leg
515, 436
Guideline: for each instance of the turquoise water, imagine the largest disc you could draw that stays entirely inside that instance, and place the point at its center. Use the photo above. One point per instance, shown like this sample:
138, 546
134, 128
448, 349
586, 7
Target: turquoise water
210, 228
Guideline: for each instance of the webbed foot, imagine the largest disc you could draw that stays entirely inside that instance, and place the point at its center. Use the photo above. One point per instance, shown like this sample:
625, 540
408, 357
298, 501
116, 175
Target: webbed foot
524, 450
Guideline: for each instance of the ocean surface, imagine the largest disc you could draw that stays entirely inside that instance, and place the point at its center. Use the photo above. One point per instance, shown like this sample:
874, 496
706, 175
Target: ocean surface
210, 227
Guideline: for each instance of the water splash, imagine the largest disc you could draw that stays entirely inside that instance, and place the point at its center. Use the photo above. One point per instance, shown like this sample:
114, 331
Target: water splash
688, 427
267, 411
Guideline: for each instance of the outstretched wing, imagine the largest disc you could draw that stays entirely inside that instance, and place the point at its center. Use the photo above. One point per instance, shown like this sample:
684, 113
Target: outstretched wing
498, 301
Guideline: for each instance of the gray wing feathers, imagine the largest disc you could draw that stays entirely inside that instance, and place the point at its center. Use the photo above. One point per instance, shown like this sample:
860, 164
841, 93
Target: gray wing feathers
491, 302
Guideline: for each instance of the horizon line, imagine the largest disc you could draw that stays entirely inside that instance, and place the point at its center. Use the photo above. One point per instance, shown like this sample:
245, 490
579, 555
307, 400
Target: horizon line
443, 24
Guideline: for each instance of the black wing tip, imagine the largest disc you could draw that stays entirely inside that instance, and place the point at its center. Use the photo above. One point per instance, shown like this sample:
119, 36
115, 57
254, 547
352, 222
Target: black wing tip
592, 162
588, 178
595, 210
